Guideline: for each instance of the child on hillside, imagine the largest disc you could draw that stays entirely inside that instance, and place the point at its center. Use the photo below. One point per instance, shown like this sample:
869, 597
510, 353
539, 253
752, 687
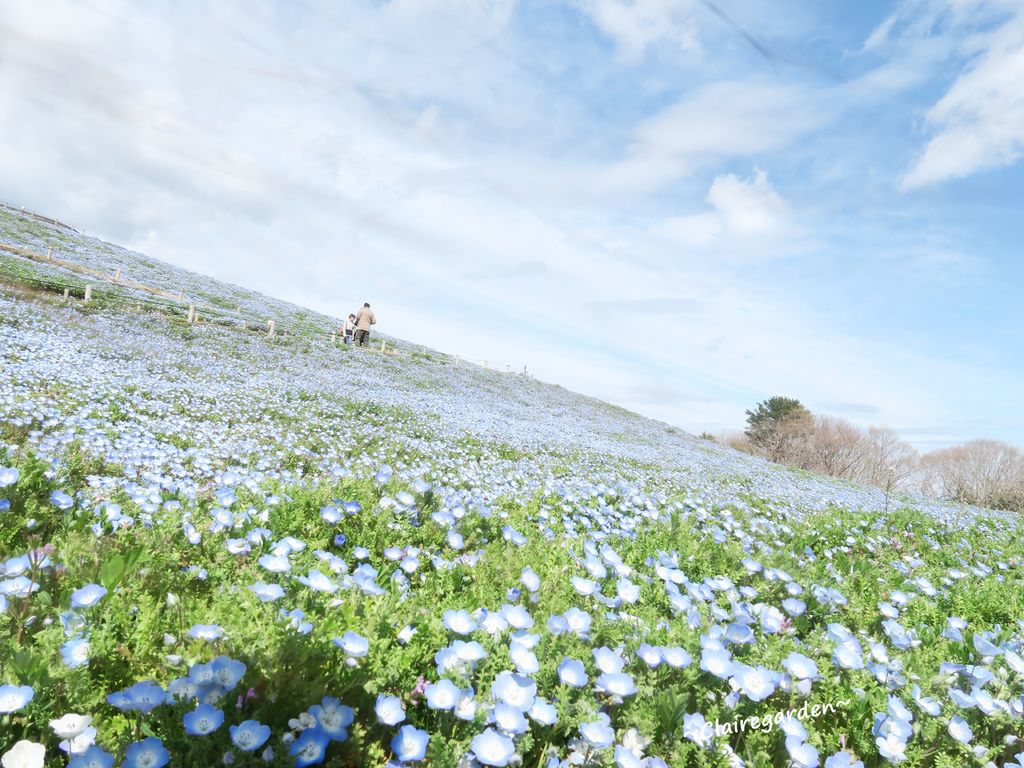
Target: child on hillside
348, 328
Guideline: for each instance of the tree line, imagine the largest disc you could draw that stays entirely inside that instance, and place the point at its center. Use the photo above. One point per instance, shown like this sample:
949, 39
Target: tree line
988, 473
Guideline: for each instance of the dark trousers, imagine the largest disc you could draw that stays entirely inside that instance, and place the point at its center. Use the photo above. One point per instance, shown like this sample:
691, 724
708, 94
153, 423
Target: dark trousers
362, 337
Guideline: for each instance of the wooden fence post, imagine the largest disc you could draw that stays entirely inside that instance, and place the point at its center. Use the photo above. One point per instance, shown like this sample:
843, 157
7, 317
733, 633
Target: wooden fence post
49, 254
181, 296
383, 345
271, 330
67, 292
117, 275
191, 313
88, 293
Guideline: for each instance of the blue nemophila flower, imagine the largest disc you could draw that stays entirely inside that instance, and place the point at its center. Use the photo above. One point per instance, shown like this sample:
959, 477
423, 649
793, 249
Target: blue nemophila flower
310, 748
802, 754
843, 760
572, 673
675, 657
717, 661
333, 718
443, 694
513, 689
228, 672
608, 660
142, 697
410, 744
61, 500
318, 581
249, 735
203, 720
492, 748
87, 596
148, 753
8, 476
543, 712
800, 667
756, 683
353, 644
208, 632
92, 757
75, 652
14, 697
615, 684
275, 563
697, 729
267, 593
598, 733
509, 719
960, 730
389, 710
459, 622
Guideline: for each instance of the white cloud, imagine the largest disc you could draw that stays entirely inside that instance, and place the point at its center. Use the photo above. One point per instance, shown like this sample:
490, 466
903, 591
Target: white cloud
636, 24
979, 122
742, 210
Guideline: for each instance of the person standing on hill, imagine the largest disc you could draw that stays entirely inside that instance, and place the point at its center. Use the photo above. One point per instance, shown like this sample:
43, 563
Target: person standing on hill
364, 319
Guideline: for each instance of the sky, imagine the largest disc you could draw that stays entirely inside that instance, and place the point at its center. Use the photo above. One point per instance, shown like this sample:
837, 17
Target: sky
679, 206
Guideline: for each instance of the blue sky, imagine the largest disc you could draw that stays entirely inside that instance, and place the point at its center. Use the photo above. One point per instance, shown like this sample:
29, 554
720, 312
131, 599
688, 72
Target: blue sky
680, 206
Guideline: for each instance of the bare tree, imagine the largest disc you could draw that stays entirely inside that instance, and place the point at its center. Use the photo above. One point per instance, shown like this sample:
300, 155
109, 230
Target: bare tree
836, 448
984, 472
888, 461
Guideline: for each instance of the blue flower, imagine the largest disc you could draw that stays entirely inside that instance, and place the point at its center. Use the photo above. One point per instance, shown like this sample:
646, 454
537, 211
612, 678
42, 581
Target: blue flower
92, 757
142, 697
8, 476
389, 710
493, 749
249, 735
410, 744
148, 753
75, 653
353, 644
572, 673
443, 694
509, 719
333, 718
459, 622
598, 733
227, 672
61, 500
87, 596
309, 748
203, 720
208, 632
14, 697
960, 730
267, 593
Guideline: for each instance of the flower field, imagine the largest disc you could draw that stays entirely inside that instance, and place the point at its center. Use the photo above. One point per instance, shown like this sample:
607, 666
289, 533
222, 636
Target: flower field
218, 548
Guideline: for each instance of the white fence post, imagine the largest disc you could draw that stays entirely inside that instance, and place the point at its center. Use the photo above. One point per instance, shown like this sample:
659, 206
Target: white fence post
191, 313
67, 292
88, 293
181, 296
271, 330
456, 361
383, 345
117, 275
49, 254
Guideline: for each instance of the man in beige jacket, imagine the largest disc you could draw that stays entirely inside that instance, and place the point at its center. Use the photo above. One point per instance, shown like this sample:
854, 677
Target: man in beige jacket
364, 319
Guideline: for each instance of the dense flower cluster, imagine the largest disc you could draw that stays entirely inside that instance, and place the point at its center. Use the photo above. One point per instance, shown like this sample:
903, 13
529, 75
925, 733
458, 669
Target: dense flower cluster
219, 552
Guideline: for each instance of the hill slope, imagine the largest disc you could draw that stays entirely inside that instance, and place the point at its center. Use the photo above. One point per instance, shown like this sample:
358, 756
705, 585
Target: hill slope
514, 572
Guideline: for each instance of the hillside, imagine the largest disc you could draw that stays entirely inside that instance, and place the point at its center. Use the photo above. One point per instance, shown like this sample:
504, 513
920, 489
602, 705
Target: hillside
525, 573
